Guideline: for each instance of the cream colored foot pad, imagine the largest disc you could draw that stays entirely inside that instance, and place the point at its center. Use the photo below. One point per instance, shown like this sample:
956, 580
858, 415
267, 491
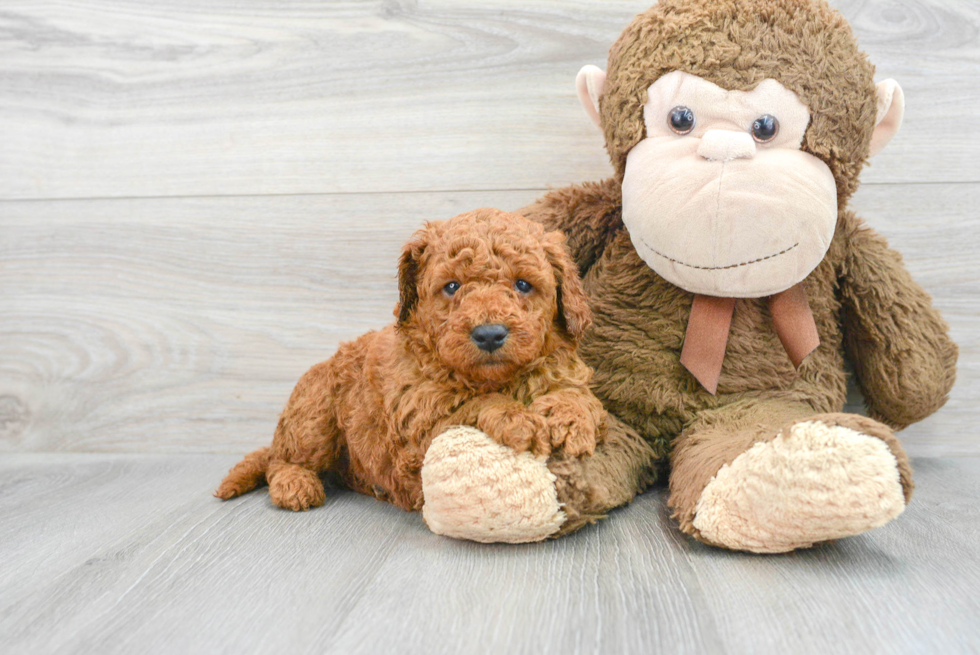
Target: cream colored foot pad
818, 483
477, 489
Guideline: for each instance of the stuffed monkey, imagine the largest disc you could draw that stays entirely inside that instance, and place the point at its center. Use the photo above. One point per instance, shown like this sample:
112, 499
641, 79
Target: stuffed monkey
729, 280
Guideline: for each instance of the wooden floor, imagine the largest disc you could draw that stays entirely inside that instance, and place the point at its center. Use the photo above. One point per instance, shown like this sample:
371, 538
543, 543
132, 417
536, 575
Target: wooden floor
129, 554
200, 199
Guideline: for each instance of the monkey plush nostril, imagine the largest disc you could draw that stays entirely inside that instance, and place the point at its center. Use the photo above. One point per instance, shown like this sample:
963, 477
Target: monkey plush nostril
726, 145
489, 337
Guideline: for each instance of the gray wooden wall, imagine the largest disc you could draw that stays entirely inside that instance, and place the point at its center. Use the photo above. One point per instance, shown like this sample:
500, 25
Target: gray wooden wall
201, 198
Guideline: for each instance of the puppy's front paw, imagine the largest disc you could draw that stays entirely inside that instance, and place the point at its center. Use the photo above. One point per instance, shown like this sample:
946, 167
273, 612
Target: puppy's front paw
517, 428
575, 433
570, 426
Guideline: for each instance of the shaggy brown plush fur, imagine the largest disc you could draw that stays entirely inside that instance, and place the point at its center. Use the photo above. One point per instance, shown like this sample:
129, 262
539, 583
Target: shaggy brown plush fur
865, 303
370, 412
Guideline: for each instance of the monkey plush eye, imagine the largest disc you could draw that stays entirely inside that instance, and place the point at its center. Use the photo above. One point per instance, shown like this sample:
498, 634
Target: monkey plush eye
681, 120
523, 286
765, 128
451, 288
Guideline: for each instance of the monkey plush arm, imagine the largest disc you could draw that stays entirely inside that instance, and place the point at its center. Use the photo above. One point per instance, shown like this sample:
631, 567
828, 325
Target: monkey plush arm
588, 214
899, 344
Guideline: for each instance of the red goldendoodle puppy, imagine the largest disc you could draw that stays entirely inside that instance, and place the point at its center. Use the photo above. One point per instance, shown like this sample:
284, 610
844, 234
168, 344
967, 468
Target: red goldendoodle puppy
490, 311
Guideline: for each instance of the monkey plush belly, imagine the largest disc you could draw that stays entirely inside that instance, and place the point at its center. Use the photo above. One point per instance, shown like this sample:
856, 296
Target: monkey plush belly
635, 347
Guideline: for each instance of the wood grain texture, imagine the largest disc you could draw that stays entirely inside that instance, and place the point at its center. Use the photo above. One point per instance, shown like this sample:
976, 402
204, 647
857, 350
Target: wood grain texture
181, 325
136, 557
62, 511
108, 98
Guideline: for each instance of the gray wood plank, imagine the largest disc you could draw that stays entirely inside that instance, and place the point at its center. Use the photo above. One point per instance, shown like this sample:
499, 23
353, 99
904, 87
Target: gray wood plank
181, 325
191, 574
208, 577
620, 587
108, 98
78, 507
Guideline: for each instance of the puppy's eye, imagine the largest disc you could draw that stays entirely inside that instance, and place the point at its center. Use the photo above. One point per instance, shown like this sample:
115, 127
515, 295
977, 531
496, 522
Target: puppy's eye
681, 120
451, 288
765, 128
523, 286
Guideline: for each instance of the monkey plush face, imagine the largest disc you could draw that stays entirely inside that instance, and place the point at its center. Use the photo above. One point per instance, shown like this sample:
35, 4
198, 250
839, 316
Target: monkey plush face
718, 198
738, 129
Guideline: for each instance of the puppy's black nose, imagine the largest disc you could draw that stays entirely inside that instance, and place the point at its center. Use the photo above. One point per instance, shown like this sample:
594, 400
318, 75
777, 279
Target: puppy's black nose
489, 337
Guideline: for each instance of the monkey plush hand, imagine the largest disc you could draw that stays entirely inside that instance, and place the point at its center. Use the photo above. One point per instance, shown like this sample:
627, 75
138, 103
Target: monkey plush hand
728, 279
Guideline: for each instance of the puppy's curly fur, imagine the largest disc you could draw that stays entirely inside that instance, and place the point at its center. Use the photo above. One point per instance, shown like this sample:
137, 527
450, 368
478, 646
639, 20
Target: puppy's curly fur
370, 412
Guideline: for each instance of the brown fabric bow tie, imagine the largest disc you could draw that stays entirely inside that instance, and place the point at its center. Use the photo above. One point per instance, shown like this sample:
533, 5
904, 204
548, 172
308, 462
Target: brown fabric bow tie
711, 318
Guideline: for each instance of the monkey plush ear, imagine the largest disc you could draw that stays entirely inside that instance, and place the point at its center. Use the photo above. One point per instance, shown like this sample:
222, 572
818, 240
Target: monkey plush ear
408, 273
573, 314
589, 84
891, 109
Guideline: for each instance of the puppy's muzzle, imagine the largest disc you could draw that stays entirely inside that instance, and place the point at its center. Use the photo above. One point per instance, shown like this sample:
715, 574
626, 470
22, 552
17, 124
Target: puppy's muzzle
489, 337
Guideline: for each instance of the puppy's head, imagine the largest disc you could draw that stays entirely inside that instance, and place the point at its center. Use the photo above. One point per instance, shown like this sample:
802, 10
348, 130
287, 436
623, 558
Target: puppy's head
487, 293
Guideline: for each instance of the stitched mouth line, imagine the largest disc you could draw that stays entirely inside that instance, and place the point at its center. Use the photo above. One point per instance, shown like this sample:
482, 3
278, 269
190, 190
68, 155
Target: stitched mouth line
718, 268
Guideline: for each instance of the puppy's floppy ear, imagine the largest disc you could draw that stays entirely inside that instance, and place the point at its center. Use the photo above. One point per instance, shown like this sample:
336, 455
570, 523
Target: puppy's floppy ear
408, 273
573, 313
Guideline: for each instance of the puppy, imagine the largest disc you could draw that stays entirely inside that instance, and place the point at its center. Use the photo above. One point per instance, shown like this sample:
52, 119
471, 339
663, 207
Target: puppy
491, 309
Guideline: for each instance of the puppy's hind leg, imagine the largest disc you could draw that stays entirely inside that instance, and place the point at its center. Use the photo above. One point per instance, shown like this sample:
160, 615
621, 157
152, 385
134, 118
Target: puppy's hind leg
307, 442
295, 487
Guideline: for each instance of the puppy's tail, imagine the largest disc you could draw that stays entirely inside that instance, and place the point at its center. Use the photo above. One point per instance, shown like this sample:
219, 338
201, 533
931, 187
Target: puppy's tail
245, 475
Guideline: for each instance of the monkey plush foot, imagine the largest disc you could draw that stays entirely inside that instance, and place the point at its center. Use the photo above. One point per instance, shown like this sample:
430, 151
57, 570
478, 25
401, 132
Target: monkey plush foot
817, 480
477, 489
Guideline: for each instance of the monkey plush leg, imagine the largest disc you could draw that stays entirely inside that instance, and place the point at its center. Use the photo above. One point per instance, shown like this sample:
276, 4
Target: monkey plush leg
772, 477
294, 487
589, 487
477, 489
